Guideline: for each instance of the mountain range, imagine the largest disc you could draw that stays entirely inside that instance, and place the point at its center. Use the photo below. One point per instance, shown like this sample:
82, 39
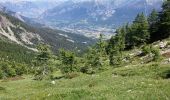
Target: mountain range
86, 17
100, 12
14, 30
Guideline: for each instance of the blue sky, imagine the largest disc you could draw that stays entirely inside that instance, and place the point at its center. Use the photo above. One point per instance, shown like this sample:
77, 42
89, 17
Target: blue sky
67, 0
30, 0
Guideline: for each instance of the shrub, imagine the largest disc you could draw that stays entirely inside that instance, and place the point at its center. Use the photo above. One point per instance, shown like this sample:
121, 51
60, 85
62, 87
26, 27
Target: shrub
8, 70
146, 49
67, 68
19, 68
11, 72
87, 70
156, 53
152, 51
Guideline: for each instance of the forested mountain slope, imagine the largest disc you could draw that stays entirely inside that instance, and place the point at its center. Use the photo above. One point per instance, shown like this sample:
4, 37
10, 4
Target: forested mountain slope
26, 35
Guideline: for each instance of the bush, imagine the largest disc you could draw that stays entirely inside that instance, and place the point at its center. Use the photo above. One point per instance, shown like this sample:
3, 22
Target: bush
11, 72
11, 69
146, 49
8, 70
87, 70
68, 68
19, 68
153, 52
156, 53
115, 60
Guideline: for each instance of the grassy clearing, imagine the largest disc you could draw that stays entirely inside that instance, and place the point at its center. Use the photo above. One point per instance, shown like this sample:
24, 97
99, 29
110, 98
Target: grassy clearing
131, 83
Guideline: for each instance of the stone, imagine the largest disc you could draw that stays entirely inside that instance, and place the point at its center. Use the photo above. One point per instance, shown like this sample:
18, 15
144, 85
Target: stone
53, 82
169, 60
162, 45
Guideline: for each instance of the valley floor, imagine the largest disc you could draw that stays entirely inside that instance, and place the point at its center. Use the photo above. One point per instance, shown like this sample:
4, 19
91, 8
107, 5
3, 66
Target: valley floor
125, 83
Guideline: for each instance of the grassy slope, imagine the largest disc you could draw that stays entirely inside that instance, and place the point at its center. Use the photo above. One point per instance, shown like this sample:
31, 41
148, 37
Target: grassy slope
140, 82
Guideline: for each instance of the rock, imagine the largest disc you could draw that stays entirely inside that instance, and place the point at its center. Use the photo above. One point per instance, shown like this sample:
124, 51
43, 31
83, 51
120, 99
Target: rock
53, 82
132, 54
138, 52
169, 60
129, 90
125, 60
162, 45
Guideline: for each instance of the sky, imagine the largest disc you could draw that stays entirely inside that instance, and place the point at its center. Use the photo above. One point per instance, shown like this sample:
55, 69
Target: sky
149, 1
29, 0
47, 0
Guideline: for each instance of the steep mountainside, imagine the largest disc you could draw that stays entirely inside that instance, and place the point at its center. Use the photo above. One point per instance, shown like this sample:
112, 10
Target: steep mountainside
17, 31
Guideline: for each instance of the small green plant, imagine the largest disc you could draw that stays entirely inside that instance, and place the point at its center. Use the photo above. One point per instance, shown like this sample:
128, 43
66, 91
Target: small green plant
152, 51
146, 49
156, 53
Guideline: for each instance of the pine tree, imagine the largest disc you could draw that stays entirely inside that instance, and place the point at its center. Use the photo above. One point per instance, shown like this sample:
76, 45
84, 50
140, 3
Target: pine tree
42, 60
128, 36
68, 60
153, 23
116, 46
123, 32
101, 45
139, 33
153, 17
164, 27
92, 61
